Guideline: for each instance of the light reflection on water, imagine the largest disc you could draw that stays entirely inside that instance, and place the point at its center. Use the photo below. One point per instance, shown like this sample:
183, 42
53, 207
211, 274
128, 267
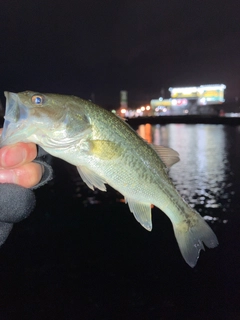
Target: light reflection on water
202, 175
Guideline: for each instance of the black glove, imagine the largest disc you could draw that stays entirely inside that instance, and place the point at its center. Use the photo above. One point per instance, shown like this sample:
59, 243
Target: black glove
16, 202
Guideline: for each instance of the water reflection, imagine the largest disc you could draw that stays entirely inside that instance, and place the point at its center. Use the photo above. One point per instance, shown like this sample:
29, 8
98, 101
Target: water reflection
201, 176
145, 131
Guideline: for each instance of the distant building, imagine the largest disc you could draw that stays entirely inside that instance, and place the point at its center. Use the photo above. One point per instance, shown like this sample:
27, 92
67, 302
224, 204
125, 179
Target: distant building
192, 100
123, 102
205, 94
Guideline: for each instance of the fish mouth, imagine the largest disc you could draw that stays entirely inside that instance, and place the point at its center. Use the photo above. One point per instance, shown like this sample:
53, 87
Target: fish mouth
15, 120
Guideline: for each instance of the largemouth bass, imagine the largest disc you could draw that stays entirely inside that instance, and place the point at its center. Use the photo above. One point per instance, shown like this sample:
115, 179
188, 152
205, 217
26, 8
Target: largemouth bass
106, 150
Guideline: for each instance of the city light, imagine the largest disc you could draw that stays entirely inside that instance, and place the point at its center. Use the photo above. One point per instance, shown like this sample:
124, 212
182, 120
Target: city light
183, 101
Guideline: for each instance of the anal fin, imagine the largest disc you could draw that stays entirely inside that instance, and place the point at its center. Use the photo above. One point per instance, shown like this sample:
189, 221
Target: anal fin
141, 212
91, 178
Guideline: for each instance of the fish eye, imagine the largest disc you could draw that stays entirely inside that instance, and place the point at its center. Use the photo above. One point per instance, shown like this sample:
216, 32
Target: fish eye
37, 99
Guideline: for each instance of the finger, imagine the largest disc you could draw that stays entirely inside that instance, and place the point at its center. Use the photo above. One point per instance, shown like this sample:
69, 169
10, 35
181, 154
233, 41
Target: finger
17, 154
27, 175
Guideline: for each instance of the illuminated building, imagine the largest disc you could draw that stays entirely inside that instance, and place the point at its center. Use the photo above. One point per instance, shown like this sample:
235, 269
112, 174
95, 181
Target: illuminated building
205, 94
194, 100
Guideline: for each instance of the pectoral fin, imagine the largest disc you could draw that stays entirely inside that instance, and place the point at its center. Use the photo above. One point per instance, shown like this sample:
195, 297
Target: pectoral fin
141, 212
167, 155
91, 178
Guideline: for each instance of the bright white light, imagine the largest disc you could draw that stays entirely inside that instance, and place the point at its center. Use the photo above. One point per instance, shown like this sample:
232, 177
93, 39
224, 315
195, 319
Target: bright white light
186, 90
143, 108
123, 111
148, 107
213, 87
138, 110
203, 101
200, 90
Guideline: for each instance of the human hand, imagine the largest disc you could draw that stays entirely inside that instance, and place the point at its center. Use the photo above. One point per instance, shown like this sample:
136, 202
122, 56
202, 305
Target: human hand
17, 174
16, 165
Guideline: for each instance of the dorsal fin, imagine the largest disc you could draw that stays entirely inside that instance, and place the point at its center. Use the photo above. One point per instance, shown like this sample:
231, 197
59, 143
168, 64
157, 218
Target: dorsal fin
167, 155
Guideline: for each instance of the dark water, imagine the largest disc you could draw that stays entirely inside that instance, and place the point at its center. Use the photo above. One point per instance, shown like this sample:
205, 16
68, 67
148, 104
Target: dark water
204, 174
82, 255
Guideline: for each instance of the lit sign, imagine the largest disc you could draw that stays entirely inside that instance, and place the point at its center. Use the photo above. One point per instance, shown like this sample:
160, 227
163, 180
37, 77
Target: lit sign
186, 92
208, 93
162, 102
212, 93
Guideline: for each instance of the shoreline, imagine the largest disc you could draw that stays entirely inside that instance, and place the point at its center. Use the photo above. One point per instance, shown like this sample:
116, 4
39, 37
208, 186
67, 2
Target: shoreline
189, 119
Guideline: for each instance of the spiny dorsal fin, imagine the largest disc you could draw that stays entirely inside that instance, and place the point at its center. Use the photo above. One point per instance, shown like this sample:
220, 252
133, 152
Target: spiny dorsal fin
121, 118
167, 155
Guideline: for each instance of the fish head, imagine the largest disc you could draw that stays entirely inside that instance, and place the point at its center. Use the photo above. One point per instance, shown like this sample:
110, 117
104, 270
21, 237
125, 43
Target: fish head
42, 118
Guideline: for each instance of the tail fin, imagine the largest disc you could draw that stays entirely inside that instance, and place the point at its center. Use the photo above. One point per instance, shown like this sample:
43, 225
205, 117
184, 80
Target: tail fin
191, 238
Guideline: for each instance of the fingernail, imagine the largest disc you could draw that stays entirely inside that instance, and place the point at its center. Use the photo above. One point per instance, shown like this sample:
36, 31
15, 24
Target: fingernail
7, 176
13, 156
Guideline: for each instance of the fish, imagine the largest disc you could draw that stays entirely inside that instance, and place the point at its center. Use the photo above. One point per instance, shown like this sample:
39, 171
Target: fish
107, 151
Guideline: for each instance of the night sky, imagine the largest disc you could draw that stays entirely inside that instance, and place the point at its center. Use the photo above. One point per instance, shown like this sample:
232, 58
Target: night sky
102, 47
